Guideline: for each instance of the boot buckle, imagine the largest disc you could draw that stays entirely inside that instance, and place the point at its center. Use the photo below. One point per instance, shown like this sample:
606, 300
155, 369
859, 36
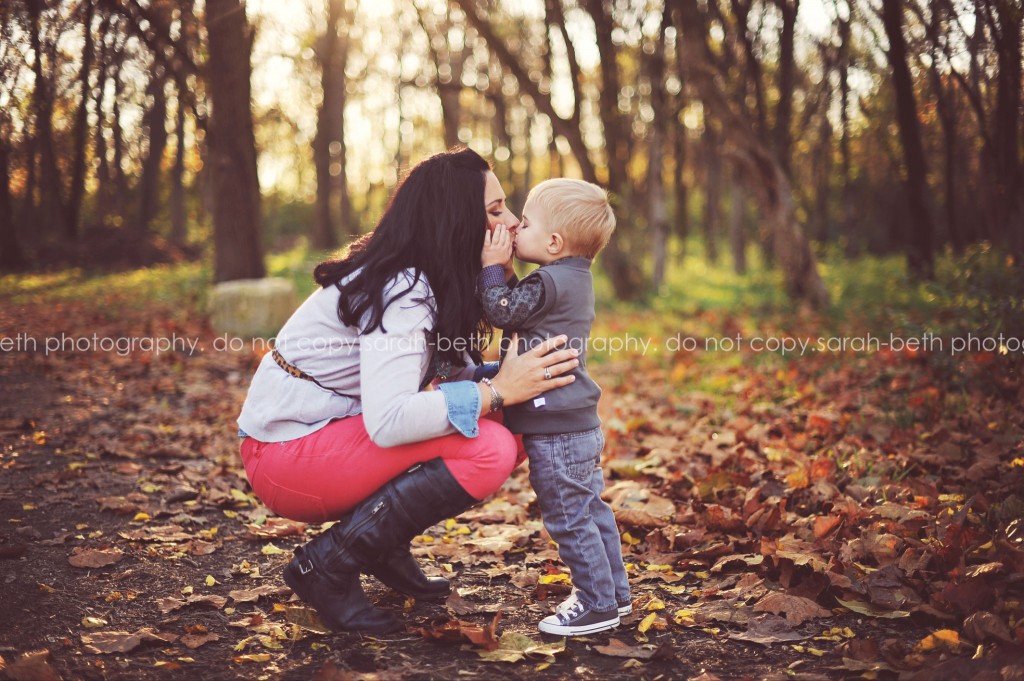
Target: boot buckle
305, 566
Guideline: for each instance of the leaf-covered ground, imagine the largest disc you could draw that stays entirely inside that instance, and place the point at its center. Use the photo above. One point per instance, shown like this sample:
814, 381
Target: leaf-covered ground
832, 515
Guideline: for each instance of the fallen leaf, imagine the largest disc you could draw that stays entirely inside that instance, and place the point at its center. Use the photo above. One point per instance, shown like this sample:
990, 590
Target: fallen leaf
871, 611
983, 626
513, 647
617, 648
944, 639
193, 641
797, 609
31, 666
250, 595
767, 629
106, 642
94, 558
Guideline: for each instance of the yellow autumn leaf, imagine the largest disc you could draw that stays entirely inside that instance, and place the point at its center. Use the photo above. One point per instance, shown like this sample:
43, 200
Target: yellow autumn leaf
423, 539
93, 622
943, 639
655, 604
630, 539
210, 581
28, 507
186, 659
141, 516
659, 568
684, 616
647, 622
239, 495
259, 657
187, 590
797, 479
230, 514
555, 579
449, 524
271, 550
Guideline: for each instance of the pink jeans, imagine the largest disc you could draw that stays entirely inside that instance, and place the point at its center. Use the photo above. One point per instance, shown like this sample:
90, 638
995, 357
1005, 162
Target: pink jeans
325, 474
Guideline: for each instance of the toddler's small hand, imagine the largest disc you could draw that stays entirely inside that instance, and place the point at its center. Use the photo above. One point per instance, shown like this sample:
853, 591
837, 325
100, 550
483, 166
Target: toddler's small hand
497, 247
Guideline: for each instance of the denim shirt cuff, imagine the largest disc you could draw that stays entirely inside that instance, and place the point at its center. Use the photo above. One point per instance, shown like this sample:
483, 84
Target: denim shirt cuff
463, 399
485, 370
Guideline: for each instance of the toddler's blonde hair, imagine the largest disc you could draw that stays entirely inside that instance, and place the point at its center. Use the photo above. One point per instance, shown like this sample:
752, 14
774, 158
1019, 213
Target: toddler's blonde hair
577, 210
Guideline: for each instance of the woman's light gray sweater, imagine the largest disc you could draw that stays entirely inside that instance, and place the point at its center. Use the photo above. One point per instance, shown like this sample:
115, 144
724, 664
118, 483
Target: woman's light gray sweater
379, 373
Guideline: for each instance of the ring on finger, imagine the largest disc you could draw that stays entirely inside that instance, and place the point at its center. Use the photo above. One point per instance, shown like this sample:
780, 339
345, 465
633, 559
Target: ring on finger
547, 374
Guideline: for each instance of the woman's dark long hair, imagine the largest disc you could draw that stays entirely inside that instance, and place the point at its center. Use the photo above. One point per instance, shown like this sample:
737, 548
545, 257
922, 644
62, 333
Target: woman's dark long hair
434, 225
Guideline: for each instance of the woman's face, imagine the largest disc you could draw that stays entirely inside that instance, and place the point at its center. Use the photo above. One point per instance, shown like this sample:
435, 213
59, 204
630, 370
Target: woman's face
494, 201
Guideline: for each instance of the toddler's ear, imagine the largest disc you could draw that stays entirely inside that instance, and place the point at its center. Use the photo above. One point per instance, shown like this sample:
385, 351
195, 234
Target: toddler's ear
555, 243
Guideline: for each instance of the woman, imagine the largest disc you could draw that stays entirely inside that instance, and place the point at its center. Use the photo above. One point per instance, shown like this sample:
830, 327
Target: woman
337, 424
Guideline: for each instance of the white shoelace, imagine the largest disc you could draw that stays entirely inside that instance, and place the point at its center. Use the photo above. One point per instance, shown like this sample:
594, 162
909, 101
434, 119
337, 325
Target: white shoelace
569, 602
566, 615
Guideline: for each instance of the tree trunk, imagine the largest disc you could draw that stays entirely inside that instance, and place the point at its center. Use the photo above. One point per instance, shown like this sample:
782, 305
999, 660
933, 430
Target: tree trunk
845, 179
77, 189
737, 218
120, 179
622, 255
11, 255
332, 86
782, 135
155, 130
920, 258
238, 252
179, 225
657, 212
1008, 186
679, 188
51, 211
712, 192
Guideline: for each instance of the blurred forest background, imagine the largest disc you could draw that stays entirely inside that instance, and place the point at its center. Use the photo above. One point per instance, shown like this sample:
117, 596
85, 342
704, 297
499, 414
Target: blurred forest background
787, 128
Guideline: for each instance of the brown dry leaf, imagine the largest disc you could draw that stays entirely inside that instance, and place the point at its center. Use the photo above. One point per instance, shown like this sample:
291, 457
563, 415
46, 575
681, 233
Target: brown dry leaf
983, 626
161, 533
171, 603
825, 524
767, 629
32, 666
460, 606
302, 616
94, 558
119, 505
453, 630
617, 648
635, 517
273, 528
722, 519
797, 609
250, 595
193, 641
106, 642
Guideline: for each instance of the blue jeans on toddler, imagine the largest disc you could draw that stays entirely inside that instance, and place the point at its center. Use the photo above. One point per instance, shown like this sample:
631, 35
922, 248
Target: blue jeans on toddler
565, 471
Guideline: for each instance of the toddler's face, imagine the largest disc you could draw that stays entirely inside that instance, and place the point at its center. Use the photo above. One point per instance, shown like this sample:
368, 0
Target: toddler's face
533, 235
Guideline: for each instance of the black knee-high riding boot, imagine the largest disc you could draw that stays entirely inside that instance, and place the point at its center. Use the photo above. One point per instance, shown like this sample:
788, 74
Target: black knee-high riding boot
426, 494
374, 538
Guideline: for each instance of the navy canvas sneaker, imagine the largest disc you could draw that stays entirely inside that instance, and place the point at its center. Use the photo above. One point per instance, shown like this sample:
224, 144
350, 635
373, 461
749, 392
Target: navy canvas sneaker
578, 620
624, 607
